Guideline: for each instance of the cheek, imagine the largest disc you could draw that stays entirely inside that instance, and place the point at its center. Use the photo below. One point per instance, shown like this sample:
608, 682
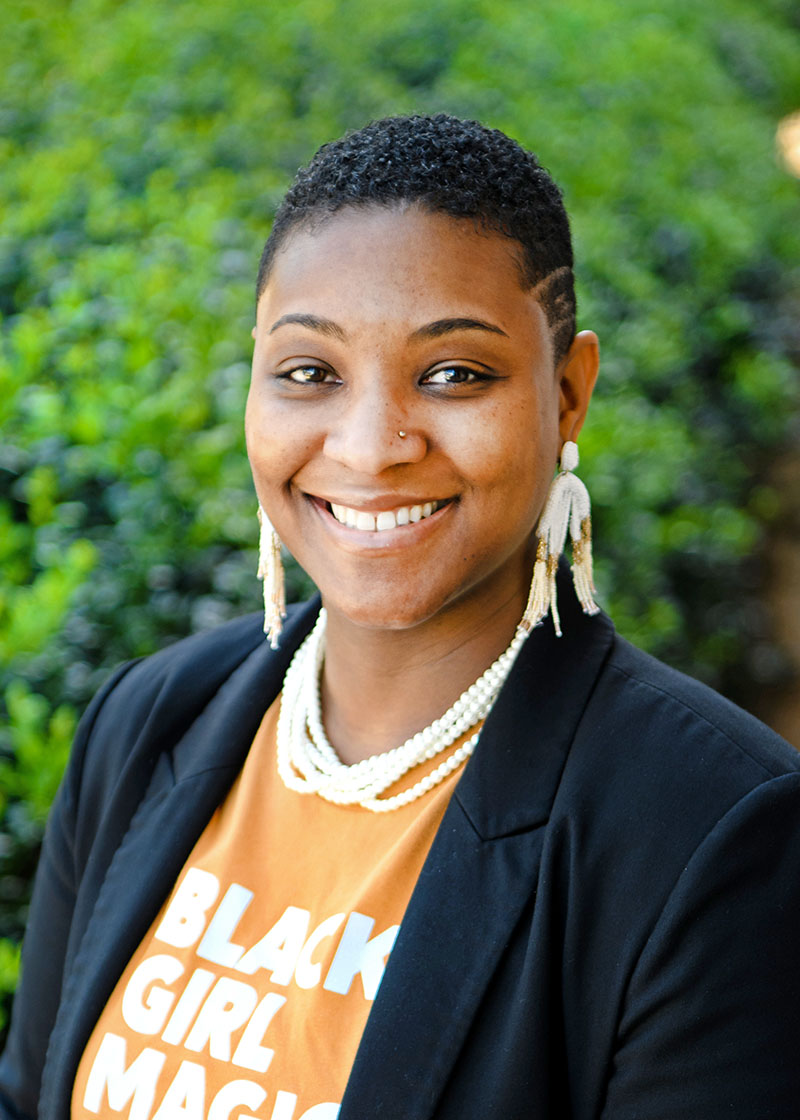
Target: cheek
512, 454
257, 439
276, 444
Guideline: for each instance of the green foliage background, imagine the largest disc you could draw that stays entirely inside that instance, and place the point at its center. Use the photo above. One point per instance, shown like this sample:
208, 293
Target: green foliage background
143, 148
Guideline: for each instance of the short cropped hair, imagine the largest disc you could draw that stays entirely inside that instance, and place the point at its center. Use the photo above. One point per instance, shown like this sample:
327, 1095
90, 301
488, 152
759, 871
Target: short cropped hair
449, 166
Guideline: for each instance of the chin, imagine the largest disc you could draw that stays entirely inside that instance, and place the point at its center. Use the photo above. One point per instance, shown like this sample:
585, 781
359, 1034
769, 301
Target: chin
382, 615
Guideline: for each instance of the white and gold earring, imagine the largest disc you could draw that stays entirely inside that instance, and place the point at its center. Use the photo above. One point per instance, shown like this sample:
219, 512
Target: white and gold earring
567, 507
270, 570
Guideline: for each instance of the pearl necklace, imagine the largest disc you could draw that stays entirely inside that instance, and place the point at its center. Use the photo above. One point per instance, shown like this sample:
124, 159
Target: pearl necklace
308, 763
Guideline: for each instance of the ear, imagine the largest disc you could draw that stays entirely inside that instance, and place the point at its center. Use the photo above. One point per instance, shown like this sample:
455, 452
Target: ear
577, 374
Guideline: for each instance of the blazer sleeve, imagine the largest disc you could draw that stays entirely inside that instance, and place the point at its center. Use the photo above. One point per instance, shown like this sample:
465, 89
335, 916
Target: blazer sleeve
711, 1022
48, 933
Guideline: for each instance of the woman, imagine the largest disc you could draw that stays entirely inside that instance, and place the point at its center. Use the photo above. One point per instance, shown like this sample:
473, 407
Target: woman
573, 891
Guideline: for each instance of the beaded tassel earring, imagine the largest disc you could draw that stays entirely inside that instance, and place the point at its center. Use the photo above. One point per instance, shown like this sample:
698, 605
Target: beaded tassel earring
567, 506
270, 570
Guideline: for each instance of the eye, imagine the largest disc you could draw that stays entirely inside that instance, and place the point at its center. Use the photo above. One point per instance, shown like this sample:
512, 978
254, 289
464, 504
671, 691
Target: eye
310, 375
454, 375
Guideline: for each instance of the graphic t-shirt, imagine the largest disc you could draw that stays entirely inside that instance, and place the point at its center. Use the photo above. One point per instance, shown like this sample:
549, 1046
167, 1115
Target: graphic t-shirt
248, 996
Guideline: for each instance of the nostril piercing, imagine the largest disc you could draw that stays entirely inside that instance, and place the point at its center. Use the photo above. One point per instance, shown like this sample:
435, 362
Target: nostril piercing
402, 435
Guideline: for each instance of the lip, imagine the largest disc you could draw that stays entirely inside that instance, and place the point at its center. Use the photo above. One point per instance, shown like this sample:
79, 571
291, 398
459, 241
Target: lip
403, 536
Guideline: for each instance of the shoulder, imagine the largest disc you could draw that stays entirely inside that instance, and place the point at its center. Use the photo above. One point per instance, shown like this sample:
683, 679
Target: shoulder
661, 762
699, 863
178, 680
147, 705
679, 714
676, 824
187, 673
193, 666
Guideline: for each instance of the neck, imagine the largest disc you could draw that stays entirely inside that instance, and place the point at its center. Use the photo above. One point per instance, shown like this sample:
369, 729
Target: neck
381, 686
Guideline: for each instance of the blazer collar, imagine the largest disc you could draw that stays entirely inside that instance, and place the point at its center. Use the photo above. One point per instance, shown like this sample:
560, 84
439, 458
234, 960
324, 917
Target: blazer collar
222, 736
512, 778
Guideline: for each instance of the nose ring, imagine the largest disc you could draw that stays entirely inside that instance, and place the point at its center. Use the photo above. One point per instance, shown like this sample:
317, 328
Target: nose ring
402, 435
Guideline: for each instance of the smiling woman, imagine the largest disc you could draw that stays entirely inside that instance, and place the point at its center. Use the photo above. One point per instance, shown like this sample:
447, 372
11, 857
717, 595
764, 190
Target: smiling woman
421, 855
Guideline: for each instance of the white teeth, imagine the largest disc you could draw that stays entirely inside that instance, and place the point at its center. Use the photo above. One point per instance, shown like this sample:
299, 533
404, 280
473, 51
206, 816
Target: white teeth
385, 519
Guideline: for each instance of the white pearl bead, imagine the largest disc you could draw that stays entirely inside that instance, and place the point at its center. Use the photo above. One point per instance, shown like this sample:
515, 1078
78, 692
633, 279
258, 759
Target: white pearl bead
308, 763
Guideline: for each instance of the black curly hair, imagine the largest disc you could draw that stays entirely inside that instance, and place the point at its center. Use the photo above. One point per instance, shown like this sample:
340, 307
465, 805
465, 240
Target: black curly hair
448, 166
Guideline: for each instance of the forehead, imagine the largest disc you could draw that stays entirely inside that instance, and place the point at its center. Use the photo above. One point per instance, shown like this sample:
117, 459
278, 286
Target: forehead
401, 263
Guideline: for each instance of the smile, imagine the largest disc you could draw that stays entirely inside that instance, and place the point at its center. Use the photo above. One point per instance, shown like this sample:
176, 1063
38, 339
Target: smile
382, 520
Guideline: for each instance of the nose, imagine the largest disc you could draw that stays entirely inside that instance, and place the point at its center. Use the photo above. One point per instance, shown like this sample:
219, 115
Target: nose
373, 433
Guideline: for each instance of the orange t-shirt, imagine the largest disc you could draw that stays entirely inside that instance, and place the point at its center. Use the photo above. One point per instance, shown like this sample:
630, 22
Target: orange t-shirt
248, 996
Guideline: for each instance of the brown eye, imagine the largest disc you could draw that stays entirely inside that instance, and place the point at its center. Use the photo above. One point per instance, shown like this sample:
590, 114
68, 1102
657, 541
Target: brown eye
453, 375
309, 375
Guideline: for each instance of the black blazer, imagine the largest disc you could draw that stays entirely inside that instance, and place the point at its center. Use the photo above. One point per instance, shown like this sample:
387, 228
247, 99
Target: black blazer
607, 925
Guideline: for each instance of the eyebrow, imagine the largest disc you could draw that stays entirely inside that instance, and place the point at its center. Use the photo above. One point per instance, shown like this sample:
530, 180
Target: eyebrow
431, 330
312, 322
447, 326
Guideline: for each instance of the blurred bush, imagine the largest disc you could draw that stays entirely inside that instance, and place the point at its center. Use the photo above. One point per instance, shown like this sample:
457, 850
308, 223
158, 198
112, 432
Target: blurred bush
144, 147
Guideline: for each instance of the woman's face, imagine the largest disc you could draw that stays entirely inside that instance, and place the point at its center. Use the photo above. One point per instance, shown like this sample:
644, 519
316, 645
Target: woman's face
404, 415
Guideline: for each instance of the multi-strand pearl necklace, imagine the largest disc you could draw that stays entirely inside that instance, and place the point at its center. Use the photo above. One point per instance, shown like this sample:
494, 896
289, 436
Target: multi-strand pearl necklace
308, 763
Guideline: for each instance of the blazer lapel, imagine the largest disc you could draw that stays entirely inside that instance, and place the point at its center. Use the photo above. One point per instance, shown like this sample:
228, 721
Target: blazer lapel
479, 876
185, 788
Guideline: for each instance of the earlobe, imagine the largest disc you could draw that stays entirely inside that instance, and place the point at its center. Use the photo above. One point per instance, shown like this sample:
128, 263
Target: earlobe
577, 378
